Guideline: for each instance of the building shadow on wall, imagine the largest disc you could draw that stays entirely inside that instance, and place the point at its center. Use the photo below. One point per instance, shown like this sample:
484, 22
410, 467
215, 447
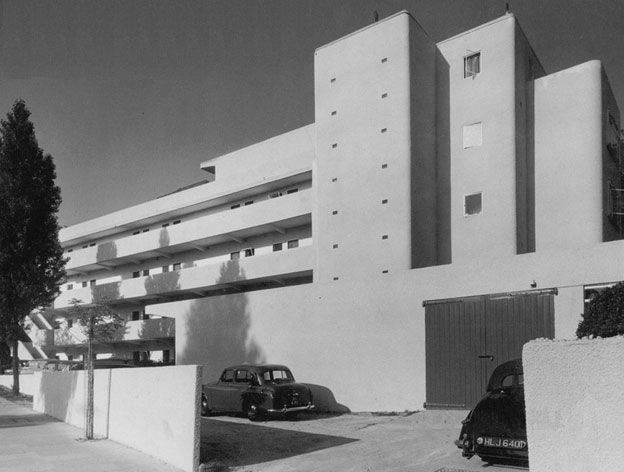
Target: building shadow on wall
241, 444
217, 328
60, 385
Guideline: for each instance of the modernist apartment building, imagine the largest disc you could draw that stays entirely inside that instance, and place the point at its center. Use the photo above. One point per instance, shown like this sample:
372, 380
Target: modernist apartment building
450, 202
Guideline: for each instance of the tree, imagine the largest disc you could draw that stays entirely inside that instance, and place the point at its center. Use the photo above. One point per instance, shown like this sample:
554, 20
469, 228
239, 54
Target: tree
604, 315
98, 323
31, 258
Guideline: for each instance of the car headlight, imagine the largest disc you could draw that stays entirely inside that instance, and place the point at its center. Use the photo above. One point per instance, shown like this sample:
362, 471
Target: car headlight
479, 441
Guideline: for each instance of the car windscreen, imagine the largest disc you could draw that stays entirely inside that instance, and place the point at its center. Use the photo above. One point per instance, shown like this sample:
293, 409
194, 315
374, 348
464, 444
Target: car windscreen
277, 376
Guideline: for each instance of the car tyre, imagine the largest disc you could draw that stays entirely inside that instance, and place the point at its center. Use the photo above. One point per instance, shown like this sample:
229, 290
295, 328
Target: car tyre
254, 413
205, 411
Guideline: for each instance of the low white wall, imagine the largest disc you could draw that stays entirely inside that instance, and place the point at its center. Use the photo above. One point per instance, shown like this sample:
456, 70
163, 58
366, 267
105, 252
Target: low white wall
154, 410
27, 383
574, 393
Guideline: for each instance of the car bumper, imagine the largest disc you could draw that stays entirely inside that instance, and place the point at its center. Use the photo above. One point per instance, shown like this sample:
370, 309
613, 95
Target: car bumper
292, 409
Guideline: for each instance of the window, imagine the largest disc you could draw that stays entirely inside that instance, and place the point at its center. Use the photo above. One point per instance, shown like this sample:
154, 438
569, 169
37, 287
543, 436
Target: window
84, 283
145, 272
384, 60
234, 255
275, 194
383, 130
472, 64
227, 376
70, 286
385, 236
333, 113
277, 247
146, 316
92, 244
335, 179
384, 95
235, 206
177, 266
92, 282
243, 376
135, 233
70, 250
472, 135
70, 323
384, 166
333, 79
146, 230
248, 202
335, 212
136, 274
335, 246
335, 278
472, 204
85, 246
334, 146
293, 243
384, 201
136, 316
250, 252
292, 190
177, 222
165, 225
165, 269
385, 271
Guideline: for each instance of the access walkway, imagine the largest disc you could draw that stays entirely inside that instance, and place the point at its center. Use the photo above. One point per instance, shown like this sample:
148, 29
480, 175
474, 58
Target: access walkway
30, 441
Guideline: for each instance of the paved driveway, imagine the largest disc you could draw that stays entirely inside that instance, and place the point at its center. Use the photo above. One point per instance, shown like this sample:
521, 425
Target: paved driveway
415, 442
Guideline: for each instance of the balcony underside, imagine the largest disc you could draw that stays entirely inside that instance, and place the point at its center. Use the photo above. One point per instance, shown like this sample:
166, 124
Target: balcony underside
116, 346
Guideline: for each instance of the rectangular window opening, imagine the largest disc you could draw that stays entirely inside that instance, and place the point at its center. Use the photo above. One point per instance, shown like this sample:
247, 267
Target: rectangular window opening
177, 222
384, 60
292, 190
84, 283
384, 95
335, 212
136, 274
335, 246
248, 202
472, 64
277, 247
335, 179
70, 286
235, 206
293, 243
165, 269
334, 146
385, 236
383, 130
145, 272
250, 252
472, 204
384, 166
234, 256
177, 266
333, 113
384, 201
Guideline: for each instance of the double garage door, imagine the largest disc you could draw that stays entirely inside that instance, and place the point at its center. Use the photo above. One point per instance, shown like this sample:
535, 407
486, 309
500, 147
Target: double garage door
467, 338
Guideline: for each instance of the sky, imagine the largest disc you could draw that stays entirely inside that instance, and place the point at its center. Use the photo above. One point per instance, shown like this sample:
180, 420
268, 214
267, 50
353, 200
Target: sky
130, 96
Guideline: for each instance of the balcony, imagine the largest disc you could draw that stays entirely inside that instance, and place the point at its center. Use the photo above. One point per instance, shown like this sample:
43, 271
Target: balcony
278, 214
144, 330
249, 273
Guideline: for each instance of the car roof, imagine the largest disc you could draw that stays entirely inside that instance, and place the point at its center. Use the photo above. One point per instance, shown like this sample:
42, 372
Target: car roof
513, 367
257, 367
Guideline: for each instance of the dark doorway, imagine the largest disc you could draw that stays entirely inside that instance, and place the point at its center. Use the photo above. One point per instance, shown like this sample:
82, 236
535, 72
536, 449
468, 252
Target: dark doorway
466, 338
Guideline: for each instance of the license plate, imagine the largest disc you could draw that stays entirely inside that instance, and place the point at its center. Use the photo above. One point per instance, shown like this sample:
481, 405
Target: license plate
504, 443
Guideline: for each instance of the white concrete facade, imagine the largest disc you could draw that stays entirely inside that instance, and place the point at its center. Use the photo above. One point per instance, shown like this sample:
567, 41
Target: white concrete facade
425, 176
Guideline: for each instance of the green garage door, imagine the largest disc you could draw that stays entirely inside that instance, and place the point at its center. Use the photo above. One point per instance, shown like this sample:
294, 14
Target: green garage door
466, 338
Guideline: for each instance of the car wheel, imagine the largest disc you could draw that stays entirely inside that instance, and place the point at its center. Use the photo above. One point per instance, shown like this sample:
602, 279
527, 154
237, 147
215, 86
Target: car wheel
254, 413
205, 411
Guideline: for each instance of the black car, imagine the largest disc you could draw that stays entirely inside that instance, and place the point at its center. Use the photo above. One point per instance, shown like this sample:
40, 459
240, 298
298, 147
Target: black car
257, 391
495, 429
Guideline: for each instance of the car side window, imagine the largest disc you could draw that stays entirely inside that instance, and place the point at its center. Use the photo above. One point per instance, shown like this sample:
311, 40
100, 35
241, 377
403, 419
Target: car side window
243, 376
513, 380
227, 376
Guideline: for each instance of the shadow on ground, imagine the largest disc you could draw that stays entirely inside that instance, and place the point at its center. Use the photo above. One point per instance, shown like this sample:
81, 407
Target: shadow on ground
236, 444
18, 421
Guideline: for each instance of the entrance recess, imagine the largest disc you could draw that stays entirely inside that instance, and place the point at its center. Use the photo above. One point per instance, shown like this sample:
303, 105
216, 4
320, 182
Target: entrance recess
466, 338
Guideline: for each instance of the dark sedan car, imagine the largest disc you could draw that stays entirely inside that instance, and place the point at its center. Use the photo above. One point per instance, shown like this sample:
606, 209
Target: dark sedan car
495, 429
257, 391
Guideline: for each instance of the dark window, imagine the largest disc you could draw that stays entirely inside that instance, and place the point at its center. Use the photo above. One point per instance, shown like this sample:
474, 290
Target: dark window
277, 247
146, 230
293, 243
385, 236
385, 59
335, 145
243, 376
235, 206
92, 244
146, 316
335, 179
384, 271
85, 246
136, 232
384, 201
384, 166
335, 212
335, 278
472, 204
145, 272
335, 246
177, 222
292, 190
384, 95
177, 266
333, 79
136, 274
92, 282
70, 250
165, 225
333, 113
249, 202
383, 130
70, 286
227, 376
250, 252
165, 269
234, 255
136, 315
70, 322
84, 283
472, 64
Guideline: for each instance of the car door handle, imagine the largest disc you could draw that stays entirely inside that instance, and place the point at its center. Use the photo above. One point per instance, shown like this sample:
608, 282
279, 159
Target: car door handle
487, 356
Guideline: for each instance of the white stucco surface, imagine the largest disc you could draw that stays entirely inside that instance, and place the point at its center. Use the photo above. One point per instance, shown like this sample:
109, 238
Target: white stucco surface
154, 410
574, 404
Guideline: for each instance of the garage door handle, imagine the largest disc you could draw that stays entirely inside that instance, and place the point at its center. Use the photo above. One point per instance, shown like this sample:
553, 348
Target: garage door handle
487, 356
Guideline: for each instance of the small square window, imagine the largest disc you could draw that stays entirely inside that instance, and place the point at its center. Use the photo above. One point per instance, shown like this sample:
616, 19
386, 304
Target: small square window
92, 282
136, 274
277, 247
385, 59
85, 246
165, 269
293, 243
135, 233
383, 130
384, 166
84, 283
472, 135
333, 79
145, 272
385, 236
335, 246
472, 64
70, 250
250, 252
234, 255
335, 278
335, 212
92, 244
384, 271
384, 201
334, 146
333, 113
70, 286
136, 316
177, 266
472, 204
335, 179
384, 95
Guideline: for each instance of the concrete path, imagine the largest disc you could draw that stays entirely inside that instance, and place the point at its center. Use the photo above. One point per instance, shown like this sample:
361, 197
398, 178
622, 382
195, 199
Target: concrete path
31, 441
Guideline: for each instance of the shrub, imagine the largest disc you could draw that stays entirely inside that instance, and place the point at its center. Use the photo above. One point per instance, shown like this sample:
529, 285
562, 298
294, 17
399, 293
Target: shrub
604, 314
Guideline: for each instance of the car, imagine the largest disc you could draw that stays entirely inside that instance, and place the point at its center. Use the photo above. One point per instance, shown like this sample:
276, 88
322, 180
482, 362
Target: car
257, 391
495, 429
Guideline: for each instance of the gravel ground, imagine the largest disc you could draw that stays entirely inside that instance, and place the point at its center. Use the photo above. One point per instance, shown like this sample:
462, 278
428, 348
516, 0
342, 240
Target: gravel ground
414, 442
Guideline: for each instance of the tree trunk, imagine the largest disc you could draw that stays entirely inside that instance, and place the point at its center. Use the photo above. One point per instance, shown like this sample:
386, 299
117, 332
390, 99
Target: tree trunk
16, 386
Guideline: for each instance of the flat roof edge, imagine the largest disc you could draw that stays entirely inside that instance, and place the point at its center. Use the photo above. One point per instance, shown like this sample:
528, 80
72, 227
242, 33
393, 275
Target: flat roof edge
506, 16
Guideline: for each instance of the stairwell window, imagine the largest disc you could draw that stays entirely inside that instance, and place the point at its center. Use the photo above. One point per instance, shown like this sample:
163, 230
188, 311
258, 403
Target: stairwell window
472, 135
473, 204
472, 64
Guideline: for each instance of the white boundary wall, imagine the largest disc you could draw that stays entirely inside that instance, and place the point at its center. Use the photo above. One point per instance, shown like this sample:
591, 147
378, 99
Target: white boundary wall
574, 392
154, 410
